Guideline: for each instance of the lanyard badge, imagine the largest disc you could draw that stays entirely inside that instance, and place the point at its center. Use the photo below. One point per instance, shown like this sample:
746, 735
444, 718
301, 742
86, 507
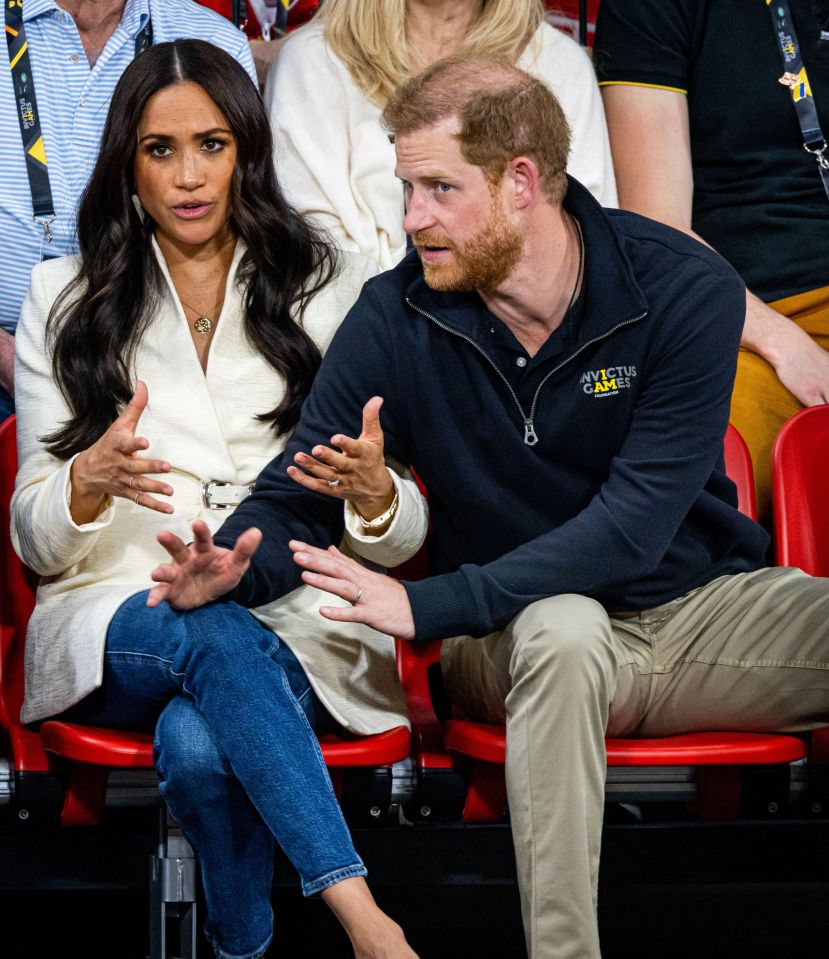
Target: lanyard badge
28, 118
797, 80
31, 133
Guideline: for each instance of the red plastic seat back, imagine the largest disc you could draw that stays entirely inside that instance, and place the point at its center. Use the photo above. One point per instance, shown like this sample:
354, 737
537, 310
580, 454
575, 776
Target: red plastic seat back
740, 472
300, 12
17, 600
800, 466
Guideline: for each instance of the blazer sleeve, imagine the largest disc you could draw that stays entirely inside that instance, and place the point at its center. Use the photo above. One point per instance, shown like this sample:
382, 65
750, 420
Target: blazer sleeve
406, 532
44, 535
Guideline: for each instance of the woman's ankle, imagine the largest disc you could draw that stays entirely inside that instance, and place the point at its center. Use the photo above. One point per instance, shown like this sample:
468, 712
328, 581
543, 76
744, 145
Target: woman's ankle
373, 934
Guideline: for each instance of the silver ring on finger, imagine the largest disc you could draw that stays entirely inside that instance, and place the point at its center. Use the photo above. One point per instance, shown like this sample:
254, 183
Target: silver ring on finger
131, 482
136, 498
357, 597
334, 483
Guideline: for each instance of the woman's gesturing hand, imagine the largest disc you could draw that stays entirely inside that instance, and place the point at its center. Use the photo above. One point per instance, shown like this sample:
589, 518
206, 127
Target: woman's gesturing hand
110, 467
201, 572
358, 473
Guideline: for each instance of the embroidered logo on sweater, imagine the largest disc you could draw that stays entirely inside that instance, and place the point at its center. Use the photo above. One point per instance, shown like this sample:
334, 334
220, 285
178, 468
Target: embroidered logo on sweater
607, 382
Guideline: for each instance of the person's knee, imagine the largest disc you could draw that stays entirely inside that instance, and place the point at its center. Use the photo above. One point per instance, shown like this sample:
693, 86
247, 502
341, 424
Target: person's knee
188, 760
566, 636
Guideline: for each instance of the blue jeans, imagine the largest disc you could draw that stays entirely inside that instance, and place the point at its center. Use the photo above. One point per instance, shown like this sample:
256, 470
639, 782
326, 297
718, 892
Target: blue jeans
236, 753
6, 404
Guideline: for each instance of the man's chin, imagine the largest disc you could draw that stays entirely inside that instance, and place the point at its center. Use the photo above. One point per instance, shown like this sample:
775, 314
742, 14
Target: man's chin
445, 279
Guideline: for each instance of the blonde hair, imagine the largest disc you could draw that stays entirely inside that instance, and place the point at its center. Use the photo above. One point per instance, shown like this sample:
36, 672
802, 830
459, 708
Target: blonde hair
369, 36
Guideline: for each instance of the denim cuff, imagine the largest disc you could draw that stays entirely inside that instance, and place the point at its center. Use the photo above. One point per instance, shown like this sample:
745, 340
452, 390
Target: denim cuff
346, 872
221, 954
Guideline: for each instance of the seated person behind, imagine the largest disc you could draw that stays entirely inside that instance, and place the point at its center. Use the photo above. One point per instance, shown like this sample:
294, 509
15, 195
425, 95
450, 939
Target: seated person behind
333, 77
559, 376
719, 154
204, 300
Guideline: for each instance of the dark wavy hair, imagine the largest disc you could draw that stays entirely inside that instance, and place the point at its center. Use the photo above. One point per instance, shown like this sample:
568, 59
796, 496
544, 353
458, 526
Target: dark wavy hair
98, 321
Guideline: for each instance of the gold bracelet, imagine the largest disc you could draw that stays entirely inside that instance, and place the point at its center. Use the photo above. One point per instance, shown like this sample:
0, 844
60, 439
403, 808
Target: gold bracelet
383, 518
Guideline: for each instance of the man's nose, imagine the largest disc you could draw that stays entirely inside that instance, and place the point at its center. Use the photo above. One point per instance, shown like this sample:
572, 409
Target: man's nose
418, 215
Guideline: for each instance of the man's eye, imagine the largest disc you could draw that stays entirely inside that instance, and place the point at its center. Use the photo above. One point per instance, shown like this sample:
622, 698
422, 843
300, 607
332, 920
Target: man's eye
443, 188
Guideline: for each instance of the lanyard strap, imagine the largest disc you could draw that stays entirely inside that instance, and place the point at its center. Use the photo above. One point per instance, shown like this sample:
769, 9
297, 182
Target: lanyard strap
31, 133
797, 81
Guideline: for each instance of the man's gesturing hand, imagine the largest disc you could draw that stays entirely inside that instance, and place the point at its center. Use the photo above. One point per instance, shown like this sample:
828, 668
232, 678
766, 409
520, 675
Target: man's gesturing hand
201, 572
376, 600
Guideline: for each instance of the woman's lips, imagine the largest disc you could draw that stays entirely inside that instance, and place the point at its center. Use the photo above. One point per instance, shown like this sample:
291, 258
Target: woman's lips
193, 210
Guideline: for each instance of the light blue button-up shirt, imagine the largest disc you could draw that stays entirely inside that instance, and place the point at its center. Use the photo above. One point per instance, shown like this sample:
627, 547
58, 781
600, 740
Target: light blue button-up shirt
73, 100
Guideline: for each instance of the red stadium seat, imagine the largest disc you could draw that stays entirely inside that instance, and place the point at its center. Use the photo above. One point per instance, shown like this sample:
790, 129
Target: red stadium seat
299, 12
800, 466
17, 600
566, 16
740, 472
482, 745
86, 754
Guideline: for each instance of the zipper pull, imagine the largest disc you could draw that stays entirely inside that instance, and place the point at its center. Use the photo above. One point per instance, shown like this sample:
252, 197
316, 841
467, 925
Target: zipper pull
530, 436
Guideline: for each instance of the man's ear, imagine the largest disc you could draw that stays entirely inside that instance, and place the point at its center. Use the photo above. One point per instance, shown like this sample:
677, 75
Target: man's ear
523, 176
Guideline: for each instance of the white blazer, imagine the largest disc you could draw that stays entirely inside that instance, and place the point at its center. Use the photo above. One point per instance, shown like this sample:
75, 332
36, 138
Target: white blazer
335, 161
205, 425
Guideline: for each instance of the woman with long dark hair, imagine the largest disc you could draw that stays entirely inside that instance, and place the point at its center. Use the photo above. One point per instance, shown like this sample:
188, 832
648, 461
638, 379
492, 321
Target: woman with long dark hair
191, 325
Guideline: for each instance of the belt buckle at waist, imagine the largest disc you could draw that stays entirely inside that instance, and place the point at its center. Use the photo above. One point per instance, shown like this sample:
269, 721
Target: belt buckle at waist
219, 495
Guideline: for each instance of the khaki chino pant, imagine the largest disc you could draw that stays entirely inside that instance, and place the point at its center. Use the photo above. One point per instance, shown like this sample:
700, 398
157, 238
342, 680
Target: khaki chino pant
745, 652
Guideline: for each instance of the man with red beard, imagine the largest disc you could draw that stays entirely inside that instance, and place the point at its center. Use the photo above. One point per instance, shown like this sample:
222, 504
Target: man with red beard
559, 376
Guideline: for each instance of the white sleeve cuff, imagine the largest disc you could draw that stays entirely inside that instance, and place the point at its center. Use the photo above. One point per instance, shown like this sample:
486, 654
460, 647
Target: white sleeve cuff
103, 519
405, 533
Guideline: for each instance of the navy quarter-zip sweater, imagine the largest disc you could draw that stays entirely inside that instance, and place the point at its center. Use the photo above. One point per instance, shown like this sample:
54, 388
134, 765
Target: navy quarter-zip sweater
623, 497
